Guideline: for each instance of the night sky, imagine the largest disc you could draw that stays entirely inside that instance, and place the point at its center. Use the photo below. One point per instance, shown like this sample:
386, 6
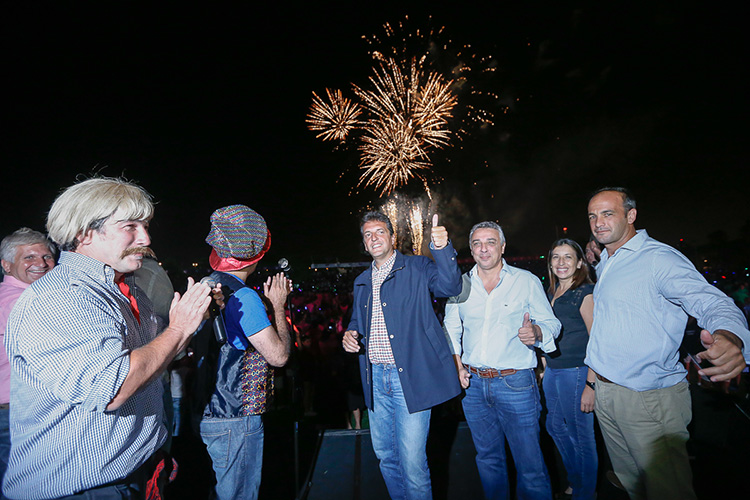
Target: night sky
205, 106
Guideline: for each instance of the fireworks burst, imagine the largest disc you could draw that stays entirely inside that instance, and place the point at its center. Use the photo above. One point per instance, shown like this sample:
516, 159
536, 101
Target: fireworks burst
409, 114
420, 96
335, 118
468, 70
391, 155
410, 102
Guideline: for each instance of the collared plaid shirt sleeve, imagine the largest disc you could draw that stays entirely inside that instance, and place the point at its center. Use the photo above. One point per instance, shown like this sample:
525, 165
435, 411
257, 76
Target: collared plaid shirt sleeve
379, 344
68, 341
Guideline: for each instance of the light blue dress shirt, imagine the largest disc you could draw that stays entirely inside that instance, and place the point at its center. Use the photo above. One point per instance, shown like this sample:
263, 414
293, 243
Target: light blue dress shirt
68, 341
483, 327
642, 300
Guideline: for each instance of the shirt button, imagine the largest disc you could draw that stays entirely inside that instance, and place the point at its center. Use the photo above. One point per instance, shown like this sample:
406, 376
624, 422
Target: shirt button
384, 304
391, 336
400, 369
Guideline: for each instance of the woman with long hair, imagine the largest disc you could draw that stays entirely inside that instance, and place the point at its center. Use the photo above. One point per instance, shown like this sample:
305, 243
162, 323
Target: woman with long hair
568, 383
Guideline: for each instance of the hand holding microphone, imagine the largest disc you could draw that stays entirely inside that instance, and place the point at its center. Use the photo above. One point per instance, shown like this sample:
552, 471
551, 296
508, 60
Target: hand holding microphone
214, 309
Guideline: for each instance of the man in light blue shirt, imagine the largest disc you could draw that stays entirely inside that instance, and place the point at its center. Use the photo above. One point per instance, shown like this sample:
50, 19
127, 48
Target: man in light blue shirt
501, 314
642, 299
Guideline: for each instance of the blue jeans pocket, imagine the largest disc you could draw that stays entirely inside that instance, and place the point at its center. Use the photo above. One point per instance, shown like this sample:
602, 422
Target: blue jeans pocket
217, 445
522, 380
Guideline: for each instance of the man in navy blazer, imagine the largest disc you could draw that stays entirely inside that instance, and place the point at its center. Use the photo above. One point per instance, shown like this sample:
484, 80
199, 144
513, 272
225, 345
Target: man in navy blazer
405, 360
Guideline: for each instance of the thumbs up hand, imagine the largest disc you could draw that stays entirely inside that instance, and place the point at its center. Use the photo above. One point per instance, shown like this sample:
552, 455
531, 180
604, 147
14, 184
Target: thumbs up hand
529, 333
439, 234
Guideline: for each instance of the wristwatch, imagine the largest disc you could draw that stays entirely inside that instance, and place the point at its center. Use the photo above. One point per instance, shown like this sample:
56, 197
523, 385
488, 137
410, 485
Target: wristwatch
591, 384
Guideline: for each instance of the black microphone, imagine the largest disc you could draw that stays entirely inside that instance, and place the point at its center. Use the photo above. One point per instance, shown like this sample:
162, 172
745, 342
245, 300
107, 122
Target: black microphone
287, 269
220, 329
284, 266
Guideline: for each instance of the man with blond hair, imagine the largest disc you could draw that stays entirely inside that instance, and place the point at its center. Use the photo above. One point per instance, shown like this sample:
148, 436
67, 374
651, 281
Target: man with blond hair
26, 256
86, 353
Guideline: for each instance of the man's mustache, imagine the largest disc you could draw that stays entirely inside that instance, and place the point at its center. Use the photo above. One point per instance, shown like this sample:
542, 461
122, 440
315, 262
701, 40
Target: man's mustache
146, 251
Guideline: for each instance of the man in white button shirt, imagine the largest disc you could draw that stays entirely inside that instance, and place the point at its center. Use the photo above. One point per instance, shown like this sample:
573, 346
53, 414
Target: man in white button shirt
501, 314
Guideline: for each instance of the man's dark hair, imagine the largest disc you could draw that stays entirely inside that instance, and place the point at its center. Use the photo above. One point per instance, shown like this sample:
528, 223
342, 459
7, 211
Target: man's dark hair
628, 202
377, 217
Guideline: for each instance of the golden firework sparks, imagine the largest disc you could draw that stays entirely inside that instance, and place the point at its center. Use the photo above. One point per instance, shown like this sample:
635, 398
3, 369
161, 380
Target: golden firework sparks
434, 48
433, 107
335, 118
408, 218
416, 226
410, 113
390, 208
391, 155
409, 104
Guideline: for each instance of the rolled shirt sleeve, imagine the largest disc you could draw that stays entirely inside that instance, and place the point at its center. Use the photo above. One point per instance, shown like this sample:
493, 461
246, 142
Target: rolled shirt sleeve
679, 282
452, 326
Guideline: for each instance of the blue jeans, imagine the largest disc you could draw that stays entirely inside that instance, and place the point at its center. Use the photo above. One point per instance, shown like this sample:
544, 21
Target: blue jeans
177, 416
4, 445
399, 438
503, 408
236, 449
571, 429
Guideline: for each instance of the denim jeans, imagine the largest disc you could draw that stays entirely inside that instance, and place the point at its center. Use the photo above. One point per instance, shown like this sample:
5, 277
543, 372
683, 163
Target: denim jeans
236, 449
503, 408
177, 416
4, 445
399, 438
571, 429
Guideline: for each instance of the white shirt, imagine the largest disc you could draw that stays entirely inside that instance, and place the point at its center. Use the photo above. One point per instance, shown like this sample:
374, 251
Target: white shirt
483, 327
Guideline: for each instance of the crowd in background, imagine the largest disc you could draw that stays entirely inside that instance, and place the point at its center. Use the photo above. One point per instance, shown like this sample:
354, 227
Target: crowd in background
323, 380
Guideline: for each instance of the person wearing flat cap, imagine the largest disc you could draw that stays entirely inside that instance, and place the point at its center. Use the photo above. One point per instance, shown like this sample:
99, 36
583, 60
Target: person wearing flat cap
243, 377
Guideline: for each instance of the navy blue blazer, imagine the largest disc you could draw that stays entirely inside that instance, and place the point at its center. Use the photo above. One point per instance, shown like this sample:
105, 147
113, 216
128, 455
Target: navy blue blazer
420, 347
